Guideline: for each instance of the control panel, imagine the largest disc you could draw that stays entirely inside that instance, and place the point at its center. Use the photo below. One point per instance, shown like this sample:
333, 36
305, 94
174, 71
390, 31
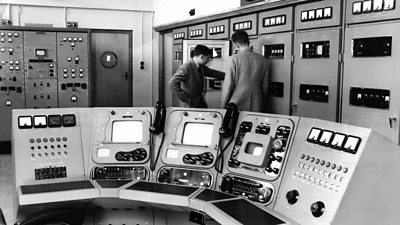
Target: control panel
328, 165
40, 57
73, 69
372, 47
318, 49
370, 97
191, 142
318, 14
42, 69
120, 146
12, 94
369, 11
317, 93
247, 23
218, 29
257, 157
48, 145
314, 172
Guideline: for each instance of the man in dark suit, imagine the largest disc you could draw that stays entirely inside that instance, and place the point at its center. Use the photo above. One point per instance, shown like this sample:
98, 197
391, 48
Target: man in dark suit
188, 81
246, 79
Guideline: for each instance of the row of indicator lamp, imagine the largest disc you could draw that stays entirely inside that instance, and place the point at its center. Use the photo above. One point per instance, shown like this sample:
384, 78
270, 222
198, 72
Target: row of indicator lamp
360, 7
242, 26
316, 14
274, 21
196, 33
180, 35
216, 30
9, 34
70, 39
339, 141
42, 121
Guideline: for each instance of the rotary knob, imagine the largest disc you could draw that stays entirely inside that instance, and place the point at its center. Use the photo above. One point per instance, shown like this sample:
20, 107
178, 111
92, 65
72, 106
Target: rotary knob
317, 208
164, 176
292, 196
277, 145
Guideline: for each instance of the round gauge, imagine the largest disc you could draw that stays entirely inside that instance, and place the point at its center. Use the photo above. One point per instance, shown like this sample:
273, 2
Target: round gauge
68, 120
109, 59
54, 120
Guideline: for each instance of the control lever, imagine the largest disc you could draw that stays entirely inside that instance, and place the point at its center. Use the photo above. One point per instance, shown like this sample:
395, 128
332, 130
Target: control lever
392, 119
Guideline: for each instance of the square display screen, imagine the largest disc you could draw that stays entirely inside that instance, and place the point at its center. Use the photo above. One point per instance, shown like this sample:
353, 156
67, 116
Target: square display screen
197, 134
127, 131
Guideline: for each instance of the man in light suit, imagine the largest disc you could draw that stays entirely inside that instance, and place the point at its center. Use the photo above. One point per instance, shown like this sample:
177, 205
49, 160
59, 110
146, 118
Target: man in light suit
188, 81
246, 78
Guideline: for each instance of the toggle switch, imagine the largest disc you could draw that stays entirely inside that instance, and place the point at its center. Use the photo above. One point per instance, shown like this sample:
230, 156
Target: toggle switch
74, 99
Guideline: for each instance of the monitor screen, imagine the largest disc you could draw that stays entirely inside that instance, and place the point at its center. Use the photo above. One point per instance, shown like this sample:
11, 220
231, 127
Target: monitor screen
197, 134
127, 131
254, 149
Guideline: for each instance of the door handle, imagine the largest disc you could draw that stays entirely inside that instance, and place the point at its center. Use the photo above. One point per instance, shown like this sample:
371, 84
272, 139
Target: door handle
392, 119
126, 75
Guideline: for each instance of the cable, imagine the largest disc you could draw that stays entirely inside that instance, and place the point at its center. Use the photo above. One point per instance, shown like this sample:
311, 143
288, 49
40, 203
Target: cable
153, 165
219, 162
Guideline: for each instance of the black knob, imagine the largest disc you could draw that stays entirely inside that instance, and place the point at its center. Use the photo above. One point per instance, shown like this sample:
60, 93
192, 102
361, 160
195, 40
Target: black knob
164, 176
292, 196
317, 208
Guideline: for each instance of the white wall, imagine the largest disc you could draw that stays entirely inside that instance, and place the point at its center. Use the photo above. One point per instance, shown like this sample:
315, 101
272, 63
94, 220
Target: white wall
135, 15
167, 11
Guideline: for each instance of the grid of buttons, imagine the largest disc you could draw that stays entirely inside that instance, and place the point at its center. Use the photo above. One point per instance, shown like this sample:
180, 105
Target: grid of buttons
320, 172
49, 147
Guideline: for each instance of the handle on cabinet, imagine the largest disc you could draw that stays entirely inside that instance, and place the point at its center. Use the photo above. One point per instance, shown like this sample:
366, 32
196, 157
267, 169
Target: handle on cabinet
392, 119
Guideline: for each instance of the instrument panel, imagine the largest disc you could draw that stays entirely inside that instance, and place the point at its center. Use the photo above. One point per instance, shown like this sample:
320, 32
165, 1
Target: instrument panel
309, 170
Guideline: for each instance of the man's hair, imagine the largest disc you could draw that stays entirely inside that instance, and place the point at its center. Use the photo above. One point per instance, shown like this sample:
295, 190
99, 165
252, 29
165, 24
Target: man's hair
202, 50
240, 37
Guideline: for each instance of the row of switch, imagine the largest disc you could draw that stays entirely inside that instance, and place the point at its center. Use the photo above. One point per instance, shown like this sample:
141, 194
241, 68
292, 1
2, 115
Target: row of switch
69, 59
70, 39
46, 147
322, 183
320, 172
322, 162
65, 70
64, 86
3, 40
9, 34
52, 154
45, 140
12, 68
11, 62
10, 50
81, 75
11, 88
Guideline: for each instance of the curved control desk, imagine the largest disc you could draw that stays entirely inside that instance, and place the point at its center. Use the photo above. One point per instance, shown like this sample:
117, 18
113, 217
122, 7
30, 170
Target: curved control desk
222, 207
